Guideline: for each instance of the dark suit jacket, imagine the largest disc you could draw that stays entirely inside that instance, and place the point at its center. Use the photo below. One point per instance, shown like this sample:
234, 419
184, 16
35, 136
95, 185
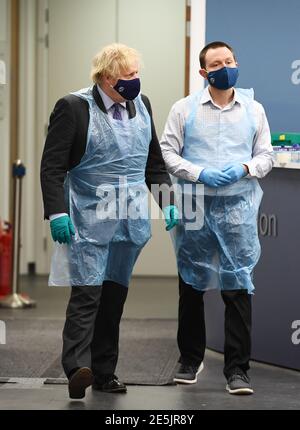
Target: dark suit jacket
66, 143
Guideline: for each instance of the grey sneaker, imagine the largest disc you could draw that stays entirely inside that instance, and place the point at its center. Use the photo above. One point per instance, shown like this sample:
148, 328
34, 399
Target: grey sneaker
239, 383
187, 374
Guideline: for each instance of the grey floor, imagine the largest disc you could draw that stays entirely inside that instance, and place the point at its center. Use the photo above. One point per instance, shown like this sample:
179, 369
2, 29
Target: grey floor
275, 388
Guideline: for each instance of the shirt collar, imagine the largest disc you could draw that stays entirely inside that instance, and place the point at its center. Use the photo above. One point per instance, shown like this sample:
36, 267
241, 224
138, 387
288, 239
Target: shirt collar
206, 97
107, 101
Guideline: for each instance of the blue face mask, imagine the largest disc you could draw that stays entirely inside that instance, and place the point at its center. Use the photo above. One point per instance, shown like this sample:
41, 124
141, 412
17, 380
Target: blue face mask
129, 89
224, 78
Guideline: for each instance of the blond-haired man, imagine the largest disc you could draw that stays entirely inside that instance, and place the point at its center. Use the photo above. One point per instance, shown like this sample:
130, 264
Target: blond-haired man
101, 154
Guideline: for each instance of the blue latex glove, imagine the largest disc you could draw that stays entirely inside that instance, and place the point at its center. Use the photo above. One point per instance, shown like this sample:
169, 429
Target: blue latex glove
235, 171
61, 229
171, 216
214, 177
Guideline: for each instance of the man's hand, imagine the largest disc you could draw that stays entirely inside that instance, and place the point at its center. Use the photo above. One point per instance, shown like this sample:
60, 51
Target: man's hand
235, 171
171, 216
214, 177
61, 229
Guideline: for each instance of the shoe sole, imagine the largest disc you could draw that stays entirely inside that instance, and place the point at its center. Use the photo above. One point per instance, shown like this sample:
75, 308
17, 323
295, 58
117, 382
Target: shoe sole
240, 391
79, 382
189, 381
117, 390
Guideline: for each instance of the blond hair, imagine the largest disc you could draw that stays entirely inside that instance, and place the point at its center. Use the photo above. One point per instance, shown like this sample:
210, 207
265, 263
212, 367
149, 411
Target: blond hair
112, 60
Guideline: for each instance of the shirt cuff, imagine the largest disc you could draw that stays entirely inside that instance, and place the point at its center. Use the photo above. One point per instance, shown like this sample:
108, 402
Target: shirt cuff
195, 173
54, 216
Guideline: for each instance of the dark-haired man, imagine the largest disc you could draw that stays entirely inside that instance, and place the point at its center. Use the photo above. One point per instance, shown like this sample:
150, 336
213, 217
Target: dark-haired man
219, 137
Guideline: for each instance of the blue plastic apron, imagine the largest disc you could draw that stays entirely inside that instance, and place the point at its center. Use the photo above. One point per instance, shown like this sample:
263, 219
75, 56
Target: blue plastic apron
108, 201
223, 253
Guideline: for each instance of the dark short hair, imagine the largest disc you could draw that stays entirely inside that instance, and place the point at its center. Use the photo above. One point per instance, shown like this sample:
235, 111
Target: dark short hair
212, 45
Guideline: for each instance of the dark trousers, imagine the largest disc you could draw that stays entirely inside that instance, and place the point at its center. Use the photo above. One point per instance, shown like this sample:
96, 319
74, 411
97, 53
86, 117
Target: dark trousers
191, 336
91, 331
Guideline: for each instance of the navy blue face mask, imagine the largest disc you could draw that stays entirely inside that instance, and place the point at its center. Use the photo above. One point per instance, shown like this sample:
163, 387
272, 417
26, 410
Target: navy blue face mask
224, 78
129, 89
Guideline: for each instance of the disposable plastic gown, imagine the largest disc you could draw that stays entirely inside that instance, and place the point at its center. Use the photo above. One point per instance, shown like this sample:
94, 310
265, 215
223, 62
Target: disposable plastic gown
224, 251
107, 199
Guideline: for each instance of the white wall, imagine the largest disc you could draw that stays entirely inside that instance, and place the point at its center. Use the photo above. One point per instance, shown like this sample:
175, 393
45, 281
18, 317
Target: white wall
42, 116
76, 33
157, 30
27, 130
198, 14
4, 110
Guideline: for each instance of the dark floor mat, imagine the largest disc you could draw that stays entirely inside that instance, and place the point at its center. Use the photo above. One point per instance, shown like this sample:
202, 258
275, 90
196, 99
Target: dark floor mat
148, 351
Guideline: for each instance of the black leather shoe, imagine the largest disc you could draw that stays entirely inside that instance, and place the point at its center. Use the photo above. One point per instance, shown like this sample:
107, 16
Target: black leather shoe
79, 381
111, 386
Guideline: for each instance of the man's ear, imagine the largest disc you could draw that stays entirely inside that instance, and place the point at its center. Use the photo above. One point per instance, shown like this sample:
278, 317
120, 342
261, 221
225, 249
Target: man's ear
203, 73
107, 79
110, 80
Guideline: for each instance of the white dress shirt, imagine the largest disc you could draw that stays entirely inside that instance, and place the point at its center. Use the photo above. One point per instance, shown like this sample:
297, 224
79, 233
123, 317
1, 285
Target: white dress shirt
108, 103
172, 140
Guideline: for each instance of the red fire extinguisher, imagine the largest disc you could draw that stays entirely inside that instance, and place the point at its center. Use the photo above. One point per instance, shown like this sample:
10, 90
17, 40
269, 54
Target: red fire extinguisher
6, 242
